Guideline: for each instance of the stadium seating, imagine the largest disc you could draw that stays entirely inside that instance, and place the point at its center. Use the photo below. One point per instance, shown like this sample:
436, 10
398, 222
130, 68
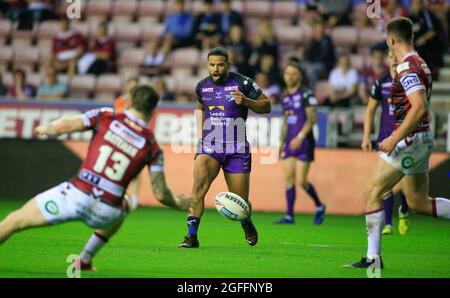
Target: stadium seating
322, 91
257, 9
285, 9
345, 36
124, 9
81, 86
99, 8
6, 54
153, 8
107, 87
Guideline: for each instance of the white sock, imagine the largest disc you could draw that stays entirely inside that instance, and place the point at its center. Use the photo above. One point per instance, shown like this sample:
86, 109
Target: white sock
94, 244
134, 201
374, 225
149, 60
442, 207
159, 59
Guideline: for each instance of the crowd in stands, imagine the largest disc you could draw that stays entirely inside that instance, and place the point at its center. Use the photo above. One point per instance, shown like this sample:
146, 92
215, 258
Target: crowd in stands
340, 49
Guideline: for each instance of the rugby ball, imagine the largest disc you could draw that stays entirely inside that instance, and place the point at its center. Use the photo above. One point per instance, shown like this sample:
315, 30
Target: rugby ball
232, 206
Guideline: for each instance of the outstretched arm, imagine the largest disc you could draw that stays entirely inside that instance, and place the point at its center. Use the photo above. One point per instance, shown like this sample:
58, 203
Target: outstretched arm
66, 124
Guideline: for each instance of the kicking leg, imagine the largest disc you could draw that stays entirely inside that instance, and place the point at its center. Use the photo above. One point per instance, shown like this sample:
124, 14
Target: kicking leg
29, 216
98, 239
415, 188
289, 182
240, 185
206, 169
302, 169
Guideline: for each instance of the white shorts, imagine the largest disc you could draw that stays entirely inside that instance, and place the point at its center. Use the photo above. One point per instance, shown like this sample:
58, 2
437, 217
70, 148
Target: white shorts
65, 202
411, 155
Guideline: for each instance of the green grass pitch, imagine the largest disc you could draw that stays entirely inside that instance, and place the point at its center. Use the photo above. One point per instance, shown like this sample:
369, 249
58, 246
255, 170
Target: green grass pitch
146, 246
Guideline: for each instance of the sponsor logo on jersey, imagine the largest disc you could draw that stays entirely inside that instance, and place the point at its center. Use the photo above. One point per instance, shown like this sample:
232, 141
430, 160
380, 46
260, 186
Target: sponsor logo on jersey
208, 90
231, 88
127, 134
407, 162
410, 81
230, 97
313, 101
51, 207
216, 107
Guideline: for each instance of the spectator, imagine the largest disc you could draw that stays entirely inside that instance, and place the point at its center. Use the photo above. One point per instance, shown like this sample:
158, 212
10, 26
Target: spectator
177, 33
240, 49
68, 47
102, 53
311, 14
14, 9
20, 89
52, 89
3, 90
344, 81
319, 57
268, 67
41, 10
161, 87
123, 101
335, 12
372, 72
207, 27
269, 88
264, 43
429, 36
229, 18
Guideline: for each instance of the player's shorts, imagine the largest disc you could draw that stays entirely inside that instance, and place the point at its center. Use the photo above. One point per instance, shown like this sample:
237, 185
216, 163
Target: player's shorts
304, 153
411, 155
65, 202
231, 162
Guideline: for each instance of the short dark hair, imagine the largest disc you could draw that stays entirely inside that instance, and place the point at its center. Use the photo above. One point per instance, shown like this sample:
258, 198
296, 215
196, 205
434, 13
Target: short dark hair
401, 28
144, 99
219, 52
20, 71
295, 65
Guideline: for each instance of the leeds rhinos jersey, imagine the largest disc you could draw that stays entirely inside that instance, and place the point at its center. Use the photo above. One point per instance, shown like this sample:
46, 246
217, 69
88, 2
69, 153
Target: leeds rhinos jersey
224, 120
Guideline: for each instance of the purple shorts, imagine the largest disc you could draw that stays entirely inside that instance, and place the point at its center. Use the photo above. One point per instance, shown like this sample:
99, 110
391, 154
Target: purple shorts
304, 153
231, 162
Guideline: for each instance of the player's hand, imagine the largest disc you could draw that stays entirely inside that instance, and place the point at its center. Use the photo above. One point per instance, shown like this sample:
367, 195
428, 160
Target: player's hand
295, 144
388, 145
40, 131
366, 145
239, 98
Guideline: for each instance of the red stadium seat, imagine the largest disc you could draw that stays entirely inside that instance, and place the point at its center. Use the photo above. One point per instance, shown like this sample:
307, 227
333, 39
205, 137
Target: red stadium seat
6, 55
130, 61
82, 27
153, 32
26, 57
171, 5
148, 21
369, 36
127, 35
101, 8
8, 79
45, 50
288, 35
26, 36
82, 87
322, 91
344, 36
187, 85
107, 88
258, 8
285, 9
125, 9
151, 8
183, 58
35, 79
5, 29
47, 30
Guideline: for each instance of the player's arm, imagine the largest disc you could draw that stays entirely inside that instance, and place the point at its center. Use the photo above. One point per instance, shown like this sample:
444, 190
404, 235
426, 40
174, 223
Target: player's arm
262, 105
368, 123
160, 188
66, 124
200, 118
311, 120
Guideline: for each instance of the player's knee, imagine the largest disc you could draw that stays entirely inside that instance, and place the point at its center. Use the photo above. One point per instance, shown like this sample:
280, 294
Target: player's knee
13, 222
373, 193
302, 183
200, 185
418, 206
